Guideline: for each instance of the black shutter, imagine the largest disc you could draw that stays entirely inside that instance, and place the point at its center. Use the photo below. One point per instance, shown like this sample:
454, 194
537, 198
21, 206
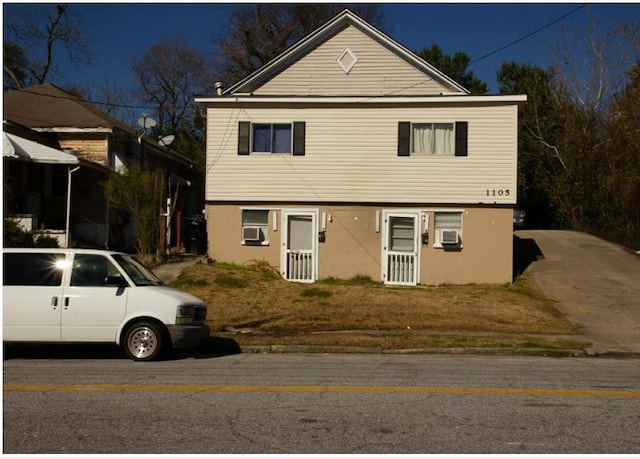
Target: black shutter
461, 138
404, 137
244, 134
298, 138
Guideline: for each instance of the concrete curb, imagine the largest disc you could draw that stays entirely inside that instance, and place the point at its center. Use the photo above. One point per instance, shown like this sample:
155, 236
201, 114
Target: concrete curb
300, 349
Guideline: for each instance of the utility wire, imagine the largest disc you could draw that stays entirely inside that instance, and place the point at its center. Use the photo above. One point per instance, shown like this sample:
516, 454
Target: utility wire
540, 29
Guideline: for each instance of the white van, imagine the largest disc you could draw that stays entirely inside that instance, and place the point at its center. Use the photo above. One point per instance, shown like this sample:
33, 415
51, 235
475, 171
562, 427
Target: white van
95, 296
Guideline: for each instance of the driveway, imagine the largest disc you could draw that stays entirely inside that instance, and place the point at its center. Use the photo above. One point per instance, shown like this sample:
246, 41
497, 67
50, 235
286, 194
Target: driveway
596, 284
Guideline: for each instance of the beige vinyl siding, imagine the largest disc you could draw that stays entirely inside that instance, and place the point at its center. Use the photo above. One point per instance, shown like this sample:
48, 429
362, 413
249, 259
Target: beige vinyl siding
351, 156
378, 71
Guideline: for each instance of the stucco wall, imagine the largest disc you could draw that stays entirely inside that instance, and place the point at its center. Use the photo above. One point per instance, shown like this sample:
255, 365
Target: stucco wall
353, 246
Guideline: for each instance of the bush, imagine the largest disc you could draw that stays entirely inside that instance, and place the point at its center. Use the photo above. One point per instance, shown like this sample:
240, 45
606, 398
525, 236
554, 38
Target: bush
46, 241
16, 236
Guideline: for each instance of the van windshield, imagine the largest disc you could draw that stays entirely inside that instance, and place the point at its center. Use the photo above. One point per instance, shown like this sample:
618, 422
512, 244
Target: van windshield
139, 273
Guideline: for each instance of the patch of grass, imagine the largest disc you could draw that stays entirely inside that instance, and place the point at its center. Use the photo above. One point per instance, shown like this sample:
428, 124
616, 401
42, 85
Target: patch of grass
316, 292
358, 279
229, 266
406, 341
522, 286
183, 281
263, 266
229, 281
238, 295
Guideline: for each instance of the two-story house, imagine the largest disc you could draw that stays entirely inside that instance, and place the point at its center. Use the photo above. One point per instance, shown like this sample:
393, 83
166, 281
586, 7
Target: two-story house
69, 199
349, 155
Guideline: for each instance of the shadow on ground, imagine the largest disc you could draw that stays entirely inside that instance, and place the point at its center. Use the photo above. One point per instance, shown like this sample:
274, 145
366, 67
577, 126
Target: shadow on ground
213, 347
525, 252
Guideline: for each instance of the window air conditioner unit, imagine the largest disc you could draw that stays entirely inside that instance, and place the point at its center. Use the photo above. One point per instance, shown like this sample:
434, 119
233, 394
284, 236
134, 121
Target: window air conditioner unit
251, 233
450, 237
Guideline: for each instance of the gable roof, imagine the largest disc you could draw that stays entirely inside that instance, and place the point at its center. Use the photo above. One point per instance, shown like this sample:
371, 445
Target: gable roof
341, 21
47, 107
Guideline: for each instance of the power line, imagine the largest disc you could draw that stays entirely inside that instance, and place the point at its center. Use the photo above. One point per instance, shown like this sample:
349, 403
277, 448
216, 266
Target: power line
116, 105
527, 35
75, 98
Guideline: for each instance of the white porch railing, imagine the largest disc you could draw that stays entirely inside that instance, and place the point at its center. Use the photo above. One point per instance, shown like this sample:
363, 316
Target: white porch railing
401, 268
300, 265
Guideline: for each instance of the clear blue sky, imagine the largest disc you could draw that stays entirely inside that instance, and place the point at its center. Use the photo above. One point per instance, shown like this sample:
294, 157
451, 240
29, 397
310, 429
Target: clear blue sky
122, 32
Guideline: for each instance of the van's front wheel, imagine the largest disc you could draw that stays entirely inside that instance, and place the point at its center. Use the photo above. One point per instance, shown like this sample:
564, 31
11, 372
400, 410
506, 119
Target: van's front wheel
143, 341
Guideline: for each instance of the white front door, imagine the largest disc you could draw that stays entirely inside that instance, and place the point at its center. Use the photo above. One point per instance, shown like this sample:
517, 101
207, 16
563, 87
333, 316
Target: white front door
400, 250
299, 255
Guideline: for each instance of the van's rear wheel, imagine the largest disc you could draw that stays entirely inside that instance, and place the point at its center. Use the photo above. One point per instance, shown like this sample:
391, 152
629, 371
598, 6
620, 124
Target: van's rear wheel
143, 341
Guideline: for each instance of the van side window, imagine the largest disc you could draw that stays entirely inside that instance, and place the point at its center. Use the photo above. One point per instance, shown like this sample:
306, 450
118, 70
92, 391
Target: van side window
36, 269
92, 271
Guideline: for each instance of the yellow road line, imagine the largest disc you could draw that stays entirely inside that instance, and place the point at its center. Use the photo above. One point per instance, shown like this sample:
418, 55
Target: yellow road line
611, 393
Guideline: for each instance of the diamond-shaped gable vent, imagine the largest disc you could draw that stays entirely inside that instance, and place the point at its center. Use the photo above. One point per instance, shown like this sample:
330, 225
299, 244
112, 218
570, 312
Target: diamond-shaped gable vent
347, 60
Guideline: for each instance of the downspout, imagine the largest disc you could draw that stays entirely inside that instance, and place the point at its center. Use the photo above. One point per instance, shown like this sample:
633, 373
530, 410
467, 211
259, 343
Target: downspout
70, 171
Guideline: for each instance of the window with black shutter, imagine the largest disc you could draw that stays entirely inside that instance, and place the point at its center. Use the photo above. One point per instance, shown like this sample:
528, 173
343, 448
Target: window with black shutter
432, 138
271, 138
244, 133
461, 138
299, 132
404, 138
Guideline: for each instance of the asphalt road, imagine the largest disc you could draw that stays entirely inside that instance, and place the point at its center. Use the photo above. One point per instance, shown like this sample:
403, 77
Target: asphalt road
596, 284
322, 403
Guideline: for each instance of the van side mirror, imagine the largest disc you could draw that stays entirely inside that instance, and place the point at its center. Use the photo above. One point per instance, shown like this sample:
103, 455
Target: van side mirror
116, 281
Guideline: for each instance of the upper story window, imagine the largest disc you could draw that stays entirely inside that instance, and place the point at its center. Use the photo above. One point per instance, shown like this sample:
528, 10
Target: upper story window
437, 138
271, 138
280, 138
432, 138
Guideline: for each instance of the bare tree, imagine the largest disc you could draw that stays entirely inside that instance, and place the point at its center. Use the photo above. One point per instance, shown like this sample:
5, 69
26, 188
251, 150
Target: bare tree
168, 76
596, 101
15, 66
40, 38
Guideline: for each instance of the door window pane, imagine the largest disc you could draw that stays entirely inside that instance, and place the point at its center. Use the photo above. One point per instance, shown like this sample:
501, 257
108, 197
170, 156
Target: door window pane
91, 270
401, 234
300, 233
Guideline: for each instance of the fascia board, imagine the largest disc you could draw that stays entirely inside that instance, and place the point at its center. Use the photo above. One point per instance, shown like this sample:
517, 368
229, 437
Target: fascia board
221, 100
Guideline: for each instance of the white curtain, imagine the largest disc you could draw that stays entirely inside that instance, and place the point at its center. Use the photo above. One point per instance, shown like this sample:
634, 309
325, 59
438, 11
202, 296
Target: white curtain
433, 138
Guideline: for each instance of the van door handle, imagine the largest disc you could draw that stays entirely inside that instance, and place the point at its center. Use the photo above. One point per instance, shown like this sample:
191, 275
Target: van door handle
66, 302
54, 302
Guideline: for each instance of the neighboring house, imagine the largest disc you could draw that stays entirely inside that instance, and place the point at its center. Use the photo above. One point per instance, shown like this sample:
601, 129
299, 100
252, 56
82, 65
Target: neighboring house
34, 184
349, 155
100, 145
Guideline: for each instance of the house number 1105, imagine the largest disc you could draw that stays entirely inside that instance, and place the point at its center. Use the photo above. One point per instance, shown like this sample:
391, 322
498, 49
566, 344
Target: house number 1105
498, 192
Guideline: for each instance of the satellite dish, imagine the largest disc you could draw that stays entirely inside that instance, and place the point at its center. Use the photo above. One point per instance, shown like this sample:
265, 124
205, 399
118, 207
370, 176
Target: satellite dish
166, 140
145, 122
